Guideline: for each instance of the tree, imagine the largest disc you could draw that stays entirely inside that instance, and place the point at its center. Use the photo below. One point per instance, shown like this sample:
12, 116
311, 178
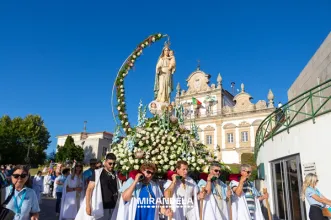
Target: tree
22, 137
69, 151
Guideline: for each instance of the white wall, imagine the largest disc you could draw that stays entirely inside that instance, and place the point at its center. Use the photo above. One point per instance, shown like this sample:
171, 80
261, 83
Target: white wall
313, 143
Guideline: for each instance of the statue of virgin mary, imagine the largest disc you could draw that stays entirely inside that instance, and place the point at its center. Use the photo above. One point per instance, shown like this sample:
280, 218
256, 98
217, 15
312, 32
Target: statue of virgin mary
165, 67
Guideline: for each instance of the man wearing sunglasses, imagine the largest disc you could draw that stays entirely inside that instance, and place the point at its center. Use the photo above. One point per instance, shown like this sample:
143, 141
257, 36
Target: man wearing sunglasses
214, 194
102, 192
140, 196
245, 199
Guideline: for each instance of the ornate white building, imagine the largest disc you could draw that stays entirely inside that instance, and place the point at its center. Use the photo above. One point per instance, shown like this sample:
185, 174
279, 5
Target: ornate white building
226, 123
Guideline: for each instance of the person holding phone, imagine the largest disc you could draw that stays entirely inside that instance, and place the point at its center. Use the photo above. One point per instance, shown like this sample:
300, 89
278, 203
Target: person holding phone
214, 194
182, 192
245, 199
140, 196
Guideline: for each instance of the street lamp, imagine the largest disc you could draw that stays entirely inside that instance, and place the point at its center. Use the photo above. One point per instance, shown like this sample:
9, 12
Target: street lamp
27, 158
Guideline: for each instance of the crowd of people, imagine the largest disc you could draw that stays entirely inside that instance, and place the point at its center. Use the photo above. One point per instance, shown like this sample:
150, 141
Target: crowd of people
101, 193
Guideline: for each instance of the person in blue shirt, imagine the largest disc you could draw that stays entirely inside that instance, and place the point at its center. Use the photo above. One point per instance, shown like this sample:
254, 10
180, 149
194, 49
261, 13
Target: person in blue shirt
315, 199
23, 202
140, 196
60, 181
87, 174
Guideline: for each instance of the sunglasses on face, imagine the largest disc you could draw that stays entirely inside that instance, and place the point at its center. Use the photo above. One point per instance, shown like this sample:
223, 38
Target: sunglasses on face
217, 171
248, 172
111, 164
23, 175
149, 172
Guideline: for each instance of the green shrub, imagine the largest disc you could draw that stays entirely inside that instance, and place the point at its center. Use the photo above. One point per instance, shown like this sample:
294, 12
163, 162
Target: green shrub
248, 158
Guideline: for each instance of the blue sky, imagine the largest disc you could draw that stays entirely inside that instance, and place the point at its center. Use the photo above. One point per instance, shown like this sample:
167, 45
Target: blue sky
59, 58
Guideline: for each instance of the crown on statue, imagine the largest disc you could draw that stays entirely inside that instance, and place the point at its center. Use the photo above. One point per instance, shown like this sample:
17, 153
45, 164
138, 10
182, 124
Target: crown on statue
167, 43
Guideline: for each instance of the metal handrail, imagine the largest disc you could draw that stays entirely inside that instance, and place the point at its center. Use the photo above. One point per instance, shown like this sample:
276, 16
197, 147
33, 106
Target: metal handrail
287, 116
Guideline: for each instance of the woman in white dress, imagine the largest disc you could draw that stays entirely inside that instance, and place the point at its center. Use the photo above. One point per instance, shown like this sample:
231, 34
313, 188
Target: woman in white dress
47, 184
37, 185
72, 194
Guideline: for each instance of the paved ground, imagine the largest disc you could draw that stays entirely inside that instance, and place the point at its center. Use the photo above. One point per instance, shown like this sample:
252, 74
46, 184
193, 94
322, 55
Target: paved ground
48, 209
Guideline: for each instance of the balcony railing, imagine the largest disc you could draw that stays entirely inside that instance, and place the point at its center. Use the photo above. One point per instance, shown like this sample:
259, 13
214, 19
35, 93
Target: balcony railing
307, 106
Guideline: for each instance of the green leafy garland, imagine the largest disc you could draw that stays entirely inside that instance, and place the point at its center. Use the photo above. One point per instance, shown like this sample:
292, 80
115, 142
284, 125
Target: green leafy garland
120, 90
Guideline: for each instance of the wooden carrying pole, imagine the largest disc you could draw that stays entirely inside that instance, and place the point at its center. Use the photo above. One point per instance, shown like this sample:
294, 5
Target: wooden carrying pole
170, 196
201, 203
230, 205
265, 191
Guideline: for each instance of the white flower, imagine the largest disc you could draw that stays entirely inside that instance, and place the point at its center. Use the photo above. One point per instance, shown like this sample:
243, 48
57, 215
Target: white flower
193, 159
122, 90
121, 162
150, 148
166, 167
146, 43
136, 167
193, 153
123, 103
154, 144
136, 160
198, 168
125, 160
118, 100
153, 159
163, 137
159, 157
122, 94
167, 148
126, 123
143, 45
138, 54
166, 159
119, 108
131, 64
127, 168
121, 86
156, 150
130, 129
171, 162
161, 162
141, 143
161, 148
147, 141
194, 164
172, 168
134, 56
169, 143
153, 39
159, 35
132, 61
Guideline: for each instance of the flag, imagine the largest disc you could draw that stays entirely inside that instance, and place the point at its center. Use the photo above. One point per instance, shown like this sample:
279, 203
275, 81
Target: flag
196, 101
